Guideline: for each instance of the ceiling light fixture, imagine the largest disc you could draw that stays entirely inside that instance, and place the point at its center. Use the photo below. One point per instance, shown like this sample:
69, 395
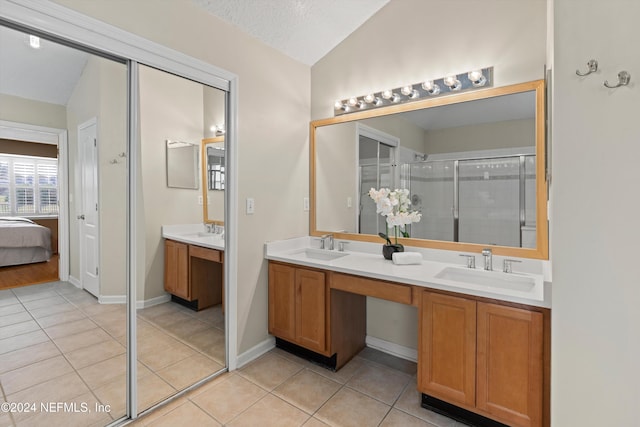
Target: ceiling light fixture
34, 42
454, 83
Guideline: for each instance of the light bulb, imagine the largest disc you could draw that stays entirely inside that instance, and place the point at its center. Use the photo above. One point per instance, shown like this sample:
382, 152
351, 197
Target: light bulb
406, 90
34, 42
452, 82
369, 98
387, 94
476, 78
337, 105
353, 101
431, 87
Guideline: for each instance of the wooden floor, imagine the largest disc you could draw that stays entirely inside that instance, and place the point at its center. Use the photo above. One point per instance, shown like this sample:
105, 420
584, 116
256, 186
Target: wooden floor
22, 275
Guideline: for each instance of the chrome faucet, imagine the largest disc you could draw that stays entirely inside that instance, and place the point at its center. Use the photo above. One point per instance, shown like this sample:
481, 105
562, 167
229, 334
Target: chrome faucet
326, 238
487, 255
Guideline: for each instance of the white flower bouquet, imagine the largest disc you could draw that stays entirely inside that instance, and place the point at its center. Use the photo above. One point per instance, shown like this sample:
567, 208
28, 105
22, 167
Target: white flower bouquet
394, 205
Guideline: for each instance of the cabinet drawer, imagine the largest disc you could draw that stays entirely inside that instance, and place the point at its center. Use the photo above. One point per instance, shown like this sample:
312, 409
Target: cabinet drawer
204, 253
371, 287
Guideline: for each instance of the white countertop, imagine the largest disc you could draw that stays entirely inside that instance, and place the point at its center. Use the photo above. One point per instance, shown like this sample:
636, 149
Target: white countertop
193, 234
365, 259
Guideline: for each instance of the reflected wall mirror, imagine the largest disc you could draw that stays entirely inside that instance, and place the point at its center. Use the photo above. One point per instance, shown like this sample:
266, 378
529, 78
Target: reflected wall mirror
213, 178
182, 165
474, 165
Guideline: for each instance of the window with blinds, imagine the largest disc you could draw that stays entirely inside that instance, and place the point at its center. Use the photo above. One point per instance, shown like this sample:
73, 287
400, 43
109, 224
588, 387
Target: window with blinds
28, 186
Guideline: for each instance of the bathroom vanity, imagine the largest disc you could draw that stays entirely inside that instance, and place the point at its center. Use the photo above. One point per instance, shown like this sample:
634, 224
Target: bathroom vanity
193, 267
482, 351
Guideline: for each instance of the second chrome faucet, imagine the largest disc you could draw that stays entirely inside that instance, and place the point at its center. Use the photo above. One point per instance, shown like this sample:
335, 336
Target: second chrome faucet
487, 255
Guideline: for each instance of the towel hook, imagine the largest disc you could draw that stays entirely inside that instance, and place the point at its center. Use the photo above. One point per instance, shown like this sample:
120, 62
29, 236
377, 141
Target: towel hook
623, 79
592, 66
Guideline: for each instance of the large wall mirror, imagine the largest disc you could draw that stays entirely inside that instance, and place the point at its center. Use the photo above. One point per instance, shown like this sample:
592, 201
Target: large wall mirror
474, 165
213, 177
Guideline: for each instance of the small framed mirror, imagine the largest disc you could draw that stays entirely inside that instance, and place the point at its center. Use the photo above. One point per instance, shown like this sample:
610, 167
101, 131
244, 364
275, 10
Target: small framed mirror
182, 165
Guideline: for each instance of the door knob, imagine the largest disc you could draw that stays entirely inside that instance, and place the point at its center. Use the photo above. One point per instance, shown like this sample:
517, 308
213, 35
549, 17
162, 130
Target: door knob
81, 216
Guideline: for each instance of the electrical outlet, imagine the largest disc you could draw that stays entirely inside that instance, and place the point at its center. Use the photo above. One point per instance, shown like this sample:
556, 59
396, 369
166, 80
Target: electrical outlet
200, 200
251, 207
349, 202
306, 204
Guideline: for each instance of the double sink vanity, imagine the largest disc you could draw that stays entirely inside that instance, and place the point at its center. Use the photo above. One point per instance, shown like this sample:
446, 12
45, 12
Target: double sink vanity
484, 336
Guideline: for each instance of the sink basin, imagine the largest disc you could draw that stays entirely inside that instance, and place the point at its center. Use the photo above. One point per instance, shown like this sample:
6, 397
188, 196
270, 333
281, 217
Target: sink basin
528, 286
320, 254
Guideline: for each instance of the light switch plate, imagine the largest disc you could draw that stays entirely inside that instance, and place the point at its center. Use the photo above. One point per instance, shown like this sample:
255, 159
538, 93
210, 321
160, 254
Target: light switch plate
306, 204
250, 206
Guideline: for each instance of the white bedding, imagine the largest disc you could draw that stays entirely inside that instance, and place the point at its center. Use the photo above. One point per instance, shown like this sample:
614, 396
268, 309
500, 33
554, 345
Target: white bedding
23, 242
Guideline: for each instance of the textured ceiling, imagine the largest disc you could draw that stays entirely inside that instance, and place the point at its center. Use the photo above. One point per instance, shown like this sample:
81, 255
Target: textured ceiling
305, 30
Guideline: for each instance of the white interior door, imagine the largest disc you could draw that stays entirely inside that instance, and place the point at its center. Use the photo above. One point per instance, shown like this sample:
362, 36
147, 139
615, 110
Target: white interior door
88, 215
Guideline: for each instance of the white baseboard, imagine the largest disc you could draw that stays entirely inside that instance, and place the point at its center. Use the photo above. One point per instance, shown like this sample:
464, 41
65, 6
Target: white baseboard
393, 349
153, 301
255, 352
75, 282
122, 299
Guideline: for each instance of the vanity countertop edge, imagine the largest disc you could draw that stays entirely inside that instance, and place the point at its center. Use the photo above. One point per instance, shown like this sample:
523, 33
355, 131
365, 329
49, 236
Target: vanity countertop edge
188, 233
373, 265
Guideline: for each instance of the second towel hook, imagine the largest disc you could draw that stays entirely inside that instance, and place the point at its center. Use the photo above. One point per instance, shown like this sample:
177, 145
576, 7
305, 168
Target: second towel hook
592, 66
623, 79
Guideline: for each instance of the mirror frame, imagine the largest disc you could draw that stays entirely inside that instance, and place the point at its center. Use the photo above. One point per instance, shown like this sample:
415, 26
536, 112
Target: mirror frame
205, 187
541, 251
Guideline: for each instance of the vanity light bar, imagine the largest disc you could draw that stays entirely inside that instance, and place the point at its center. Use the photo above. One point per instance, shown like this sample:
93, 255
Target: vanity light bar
475, 79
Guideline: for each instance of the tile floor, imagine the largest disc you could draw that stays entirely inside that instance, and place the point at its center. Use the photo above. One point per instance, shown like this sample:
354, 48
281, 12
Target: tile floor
57, 344
280, 389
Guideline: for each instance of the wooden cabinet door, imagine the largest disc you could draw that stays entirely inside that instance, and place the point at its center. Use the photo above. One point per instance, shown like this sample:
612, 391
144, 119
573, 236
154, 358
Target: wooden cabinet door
509, 364
282, 300
447, 348
311, 300
176, 269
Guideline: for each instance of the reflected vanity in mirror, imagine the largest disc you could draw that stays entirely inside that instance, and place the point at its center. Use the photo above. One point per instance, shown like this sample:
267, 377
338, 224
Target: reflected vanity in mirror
474, 165
213, 178
182, 165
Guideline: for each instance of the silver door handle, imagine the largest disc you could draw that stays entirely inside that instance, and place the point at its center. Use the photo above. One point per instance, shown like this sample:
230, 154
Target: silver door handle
80, 216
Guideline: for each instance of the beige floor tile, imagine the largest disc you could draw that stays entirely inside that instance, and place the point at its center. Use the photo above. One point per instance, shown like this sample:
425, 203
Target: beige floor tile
161, 309
307, 390
228, 398
36, 373
406, 366
186, 414
397, 418
7, 297
270, 370
95, 353
5, 419
117, 314
25, 295
350, 408
344, 374
270, 411
170, 318
70, 328
49, 310
116, 328
152, 390
314, 422
57, 319
409, 402
81, 298
59, 389
189, 371
7, 309
157, 360
96, 309
379, 382
147, 419
11, 319
28, 355
106, 371
186, 328
18, 329
44, 302
206, 338
154, 342
114, 395
21, 341
70, 343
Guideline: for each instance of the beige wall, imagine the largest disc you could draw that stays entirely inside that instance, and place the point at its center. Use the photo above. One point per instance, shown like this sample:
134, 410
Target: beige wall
273, 120
595, 335
170, 108
406, 42
21, 110
486, 136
